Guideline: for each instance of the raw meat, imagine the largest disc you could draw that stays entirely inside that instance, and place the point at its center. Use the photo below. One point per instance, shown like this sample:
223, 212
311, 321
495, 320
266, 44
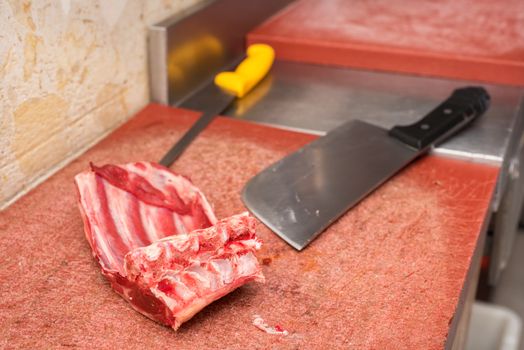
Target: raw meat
127, 208
133, 205
189, 271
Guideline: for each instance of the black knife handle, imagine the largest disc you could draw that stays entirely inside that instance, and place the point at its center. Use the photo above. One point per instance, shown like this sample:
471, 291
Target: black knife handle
461, 108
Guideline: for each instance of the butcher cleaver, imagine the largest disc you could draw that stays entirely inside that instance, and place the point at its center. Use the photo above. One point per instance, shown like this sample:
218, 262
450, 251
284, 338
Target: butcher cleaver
302, 194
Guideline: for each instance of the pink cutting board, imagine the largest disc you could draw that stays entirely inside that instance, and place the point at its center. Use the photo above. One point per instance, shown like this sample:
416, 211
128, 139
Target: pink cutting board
388, 274
462, 39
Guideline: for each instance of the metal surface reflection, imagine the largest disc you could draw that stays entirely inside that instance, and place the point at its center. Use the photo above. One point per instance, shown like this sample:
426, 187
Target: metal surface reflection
302, 194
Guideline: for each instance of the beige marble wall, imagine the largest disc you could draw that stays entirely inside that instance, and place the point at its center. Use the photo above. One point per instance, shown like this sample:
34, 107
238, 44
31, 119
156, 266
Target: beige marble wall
70, 72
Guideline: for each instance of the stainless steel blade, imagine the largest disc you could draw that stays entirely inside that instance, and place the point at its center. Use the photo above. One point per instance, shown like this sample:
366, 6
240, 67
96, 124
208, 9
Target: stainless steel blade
216, 102
302, 194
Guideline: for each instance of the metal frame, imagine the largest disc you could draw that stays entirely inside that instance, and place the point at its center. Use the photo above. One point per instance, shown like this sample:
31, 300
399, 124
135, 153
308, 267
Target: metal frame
506, 220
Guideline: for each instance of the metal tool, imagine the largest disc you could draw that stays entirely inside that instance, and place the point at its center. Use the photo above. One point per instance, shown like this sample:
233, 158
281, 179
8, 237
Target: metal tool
302, 194
233, 85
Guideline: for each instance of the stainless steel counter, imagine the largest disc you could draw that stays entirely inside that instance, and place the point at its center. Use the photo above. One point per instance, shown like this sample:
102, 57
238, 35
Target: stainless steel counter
316, 99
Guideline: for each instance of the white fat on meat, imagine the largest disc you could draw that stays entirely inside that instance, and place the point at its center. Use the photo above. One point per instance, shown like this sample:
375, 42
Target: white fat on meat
225, 270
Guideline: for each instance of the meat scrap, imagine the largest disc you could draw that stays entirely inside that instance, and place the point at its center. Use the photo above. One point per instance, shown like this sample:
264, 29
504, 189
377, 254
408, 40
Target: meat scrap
159, 243
262, 325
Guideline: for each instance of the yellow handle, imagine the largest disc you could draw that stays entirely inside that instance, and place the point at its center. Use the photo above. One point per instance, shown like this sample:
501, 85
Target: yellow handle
249, 72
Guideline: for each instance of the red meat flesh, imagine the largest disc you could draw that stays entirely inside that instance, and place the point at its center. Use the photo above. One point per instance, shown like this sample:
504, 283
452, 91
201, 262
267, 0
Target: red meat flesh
130, 206
189, 271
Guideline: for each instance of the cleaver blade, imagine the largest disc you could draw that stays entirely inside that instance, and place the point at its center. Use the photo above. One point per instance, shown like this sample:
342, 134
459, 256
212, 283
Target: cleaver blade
299, 196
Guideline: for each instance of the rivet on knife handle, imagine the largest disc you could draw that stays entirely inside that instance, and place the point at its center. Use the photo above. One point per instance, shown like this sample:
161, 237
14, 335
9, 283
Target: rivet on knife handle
462, 107
236, 84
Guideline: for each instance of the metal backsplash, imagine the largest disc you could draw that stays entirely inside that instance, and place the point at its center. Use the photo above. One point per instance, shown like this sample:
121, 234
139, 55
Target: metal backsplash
188, 49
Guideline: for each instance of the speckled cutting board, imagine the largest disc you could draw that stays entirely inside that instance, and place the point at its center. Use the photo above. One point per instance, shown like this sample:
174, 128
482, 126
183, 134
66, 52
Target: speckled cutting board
466, 39
387, 275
